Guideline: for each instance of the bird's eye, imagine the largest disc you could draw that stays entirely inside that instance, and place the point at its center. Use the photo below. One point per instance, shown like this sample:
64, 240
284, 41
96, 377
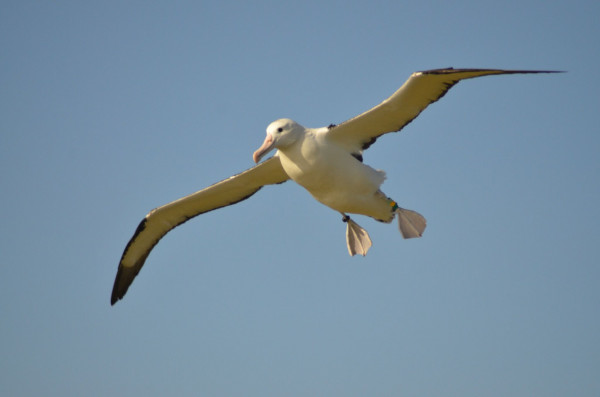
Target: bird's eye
279, 129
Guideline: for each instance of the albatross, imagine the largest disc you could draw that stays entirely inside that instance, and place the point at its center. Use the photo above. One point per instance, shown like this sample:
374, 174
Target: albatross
326, 161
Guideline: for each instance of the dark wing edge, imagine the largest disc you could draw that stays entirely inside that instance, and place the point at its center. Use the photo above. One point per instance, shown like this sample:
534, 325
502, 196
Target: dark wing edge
163, 219
403, 106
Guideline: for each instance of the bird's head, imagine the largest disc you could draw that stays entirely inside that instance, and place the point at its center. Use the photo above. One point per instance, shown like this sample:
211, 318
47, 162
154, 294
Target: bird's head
280, 134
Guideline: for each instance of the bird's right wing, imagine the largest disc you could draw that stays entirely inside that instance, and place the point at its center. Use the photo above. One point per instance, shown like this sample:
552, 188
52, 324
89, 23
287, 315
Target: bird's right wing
161, 220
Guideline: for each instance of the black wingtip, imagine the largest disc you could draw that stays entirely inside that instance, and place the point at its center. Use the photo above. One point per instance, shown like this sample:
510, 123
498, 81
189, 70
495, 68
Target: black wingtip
119, 287
451, 70
123, 280
125, 275
117, 293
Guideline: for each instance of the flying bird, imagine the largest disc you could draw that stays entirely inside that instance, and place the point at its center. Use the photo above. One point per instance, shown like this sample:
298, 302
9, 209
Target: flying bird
326, 161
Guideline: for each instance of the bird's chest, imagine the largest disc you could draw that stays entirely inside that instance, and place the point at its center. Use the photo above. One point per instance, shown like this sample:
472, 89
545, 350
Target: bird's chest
307, 164
325, 169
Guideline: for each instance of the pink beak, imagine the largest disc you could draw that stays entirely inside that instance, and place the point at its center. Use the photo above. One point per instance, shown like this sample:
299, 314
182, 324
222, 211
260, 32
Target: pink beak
266, 147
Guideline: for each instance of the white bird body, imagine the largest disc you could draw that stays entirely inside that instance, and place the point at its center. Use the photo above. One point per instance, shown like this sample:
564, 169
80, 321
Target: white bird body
332, 175
326, 161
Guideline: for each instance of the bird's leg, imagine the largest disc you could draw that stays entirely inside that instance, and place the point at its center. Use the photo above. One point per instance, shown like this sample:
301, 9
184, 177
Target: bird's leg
357, 238
411, 223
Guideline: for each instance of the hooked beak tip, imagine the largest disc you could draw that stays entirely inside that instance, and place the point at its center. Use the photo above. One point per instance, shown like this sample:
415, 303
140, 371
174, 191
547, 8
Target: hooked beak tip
267, 145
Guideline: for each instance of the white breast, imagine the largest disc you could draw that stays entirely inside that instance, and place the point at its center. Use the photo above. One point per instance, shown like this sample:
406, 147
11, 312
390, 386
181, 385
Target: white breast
331, 174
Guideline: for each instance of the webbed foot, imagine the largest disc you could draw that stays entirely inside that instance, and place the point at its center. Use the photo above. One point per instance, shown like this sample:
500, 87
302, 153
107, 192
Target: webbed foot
411, 223
357, 238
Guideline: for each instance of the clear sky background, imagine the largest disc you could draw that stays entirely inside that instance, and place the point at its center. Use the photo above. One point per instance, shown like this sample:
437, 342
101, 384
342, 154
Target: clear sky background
109, 109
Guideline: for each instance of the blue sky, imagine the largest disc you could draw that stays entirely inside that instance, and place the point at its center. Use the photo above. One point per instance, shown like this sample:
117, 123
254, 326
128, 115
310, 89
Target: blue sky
109, 109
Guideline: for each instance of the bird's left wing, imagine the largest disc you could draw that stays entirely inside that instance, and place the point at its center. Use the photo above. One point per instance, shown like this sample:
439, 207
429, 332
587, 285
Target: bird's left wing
419, 91
161, 220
